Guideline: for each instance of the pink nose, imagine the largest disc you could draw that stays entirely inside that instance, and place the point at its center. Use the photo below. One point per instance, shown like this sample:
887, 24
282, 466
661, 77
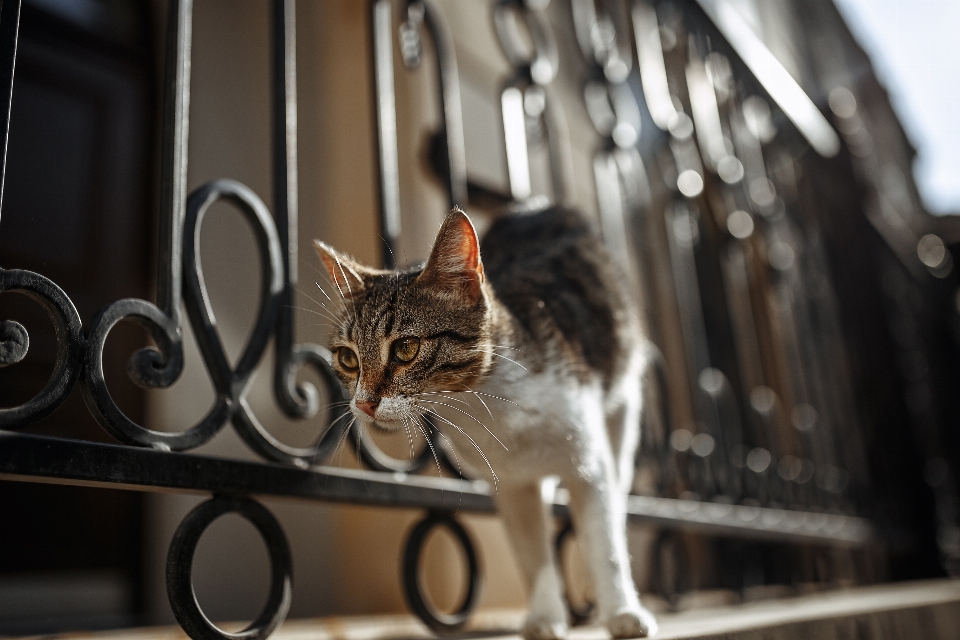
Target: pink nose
368, 408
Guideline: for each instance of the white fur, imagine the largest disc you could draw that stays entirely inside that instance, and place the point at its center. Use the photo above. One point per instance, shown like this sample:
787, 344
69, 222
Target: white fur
543, 426
551, 424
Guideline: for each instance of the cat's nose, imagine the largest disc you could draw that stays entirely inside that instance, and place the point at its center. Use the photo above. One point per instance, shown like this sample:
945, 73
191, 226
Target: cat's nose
368, 408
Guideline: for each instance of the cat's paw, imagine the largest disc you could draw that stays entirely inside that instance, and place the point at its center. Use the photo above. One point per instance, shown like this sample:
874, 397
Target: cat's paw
634, 623
544, 629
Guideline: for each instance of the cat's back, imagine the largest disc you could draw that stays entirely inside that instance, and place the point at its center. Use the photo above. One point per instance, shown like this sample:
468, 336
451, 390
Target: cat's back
554, 275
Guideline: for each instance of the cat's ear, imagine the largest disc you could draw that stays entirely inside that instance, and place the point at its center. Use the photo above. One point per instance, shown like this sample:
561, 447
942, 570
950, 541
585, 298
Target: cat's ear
345, 272
454, 262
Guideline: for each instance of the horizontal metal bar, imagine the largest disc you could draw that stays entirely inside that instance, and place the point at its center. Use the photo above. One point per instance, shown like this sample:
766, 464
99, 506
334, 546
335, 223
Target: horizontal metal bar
31, 458
751, 522
62, 461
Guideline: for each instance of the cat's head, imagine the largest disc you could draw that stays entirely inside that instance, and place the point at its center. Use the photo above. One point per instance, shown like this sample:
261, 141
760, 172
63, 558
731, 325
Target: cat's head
403, 335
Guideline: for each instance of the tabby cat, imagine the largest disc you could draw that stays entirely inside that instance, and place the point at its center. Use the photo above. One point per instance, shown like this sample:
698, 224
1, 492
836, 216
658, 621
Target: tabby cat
540, 332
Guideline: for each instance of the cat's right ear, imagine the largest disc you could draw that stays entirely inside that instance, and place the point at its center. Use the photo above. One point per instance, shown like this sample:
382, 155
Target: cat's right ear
346, 273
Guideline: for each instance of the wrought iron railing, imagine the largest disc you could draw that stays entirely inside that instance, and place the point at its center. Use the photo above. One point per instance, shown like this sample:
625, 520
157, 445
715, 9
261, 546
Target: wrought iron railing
754, 441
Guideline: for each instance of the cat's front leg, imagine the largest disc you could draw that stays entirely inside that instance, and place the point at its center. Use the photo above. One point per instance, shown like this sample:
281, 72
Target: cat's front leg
528, 526
599, 515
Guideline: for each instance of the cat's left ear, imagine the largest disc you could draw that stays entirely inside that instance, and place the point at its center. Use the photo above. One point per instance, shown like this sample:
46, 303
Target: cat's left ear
346, 273
454, 262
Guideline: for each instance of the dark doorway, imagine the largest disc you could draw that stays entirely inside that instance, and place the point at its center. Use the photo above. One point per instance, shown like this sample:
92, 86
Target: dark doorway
76, 209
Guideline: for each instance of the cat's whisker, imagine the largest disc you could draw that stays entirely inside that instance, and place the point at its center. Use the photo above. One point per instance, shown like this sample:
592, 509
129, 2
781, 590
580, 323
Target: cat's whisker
321, 272
313, 311
453, 450
455, 399
321, 324
331, 405
474, 418
503, 346
337, 284
333, 319
312, 299
490, 395
345, 415
482, 402
456, 458
359, 445
406, 429
448, 395
426, 437
325, 316
346, 281
337, 313
496, 480
330, 426
389, 248
494, 353
323, 292
394, 260
343, 436
337, 301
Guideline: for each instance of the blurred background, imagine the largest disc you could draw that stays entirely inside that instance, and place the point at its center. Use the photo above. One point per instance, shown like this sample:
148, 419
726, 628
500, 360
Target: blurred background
800, 288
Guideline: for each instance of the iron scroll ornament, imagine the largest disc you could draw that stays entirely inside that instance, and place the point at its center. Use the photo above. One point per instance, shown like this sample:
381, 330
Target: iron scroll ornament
231, 384
15, 341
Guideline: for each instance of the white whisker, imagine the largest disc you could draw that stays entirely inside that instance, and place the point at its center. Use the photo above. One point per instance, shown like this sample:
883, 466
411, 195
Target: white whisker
346, 281
426, 437
312, 299
490, 395
435, 457
337, 284
322, 324
453, 450
406, 428
474, 418
448, 397
343, 435
483, 403
331, 425
327, 315
496, 480
493, 353
503, 346
335, 301
359, 445
323, 292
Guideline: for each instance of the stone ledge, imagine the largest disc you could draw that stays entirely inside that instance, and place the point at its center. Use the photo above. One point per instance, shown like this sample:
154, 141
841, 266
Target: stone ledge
927, 610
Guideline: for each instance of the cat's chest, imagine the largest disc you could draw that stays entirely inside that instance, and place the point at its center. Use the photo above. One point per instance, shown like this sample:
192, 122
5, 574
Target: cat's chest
533, 425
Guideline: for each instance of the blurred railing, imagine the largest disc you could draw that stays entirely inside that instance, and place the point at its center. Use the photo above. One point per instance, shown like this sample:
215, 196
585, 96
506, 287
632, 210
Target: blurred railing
751, 435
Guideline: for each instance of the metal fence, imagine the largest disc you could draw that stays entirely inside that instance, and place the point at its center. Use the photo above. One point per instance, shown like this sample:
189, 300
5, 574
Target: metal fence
754, 436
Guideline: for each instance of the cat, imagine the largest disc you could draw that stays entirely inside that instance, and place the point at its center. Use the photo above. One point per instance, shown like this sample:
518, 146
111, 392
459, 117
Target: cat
535, 322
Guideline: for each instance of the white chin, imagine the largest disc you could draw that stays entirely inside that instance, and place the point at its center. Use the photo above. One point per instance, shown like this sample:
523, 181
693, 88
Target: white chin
381, 424
387, 425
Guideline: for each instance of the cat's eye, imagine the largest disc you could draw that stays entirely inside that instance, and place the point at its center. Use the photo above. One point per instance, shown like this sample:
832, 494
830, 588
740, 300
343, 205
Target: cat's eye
406, 349
348, 359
